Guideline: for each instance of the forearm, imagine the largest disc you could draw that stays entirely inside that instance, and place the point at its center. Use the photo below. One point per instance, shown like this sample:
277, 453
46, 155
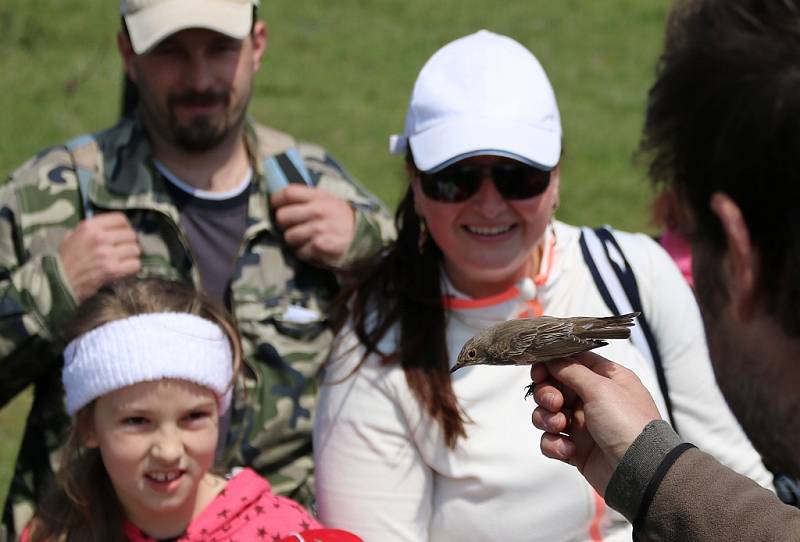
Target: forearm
34, 302
676, 493
373, 229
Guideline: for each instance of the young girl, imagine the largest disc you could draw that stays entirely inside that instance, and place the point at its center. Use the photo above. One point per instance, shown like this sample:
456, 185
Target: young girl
147, 376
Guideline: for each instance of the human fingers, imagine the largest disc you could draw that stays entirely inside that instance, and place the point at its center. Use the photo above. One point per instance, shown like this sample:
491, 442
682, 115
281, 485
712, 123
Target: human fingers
548, 395
556, 446
598, 364
124, 268
293, 214
108, 221
300, 234
294, 193
127, 250
104, 229
581, 378
539, 372
550, 422
120, 236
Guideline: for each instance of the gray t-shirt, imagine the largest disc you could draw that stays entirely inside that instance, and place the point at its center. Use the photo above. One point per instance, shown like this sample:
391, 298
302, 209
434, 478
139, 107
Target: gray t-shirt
214, 224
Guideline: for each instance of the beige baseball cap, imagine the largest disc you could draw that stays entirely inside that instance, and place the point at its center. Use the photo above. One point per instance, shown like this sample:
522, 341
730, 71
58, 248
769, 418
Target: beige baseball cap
150, 21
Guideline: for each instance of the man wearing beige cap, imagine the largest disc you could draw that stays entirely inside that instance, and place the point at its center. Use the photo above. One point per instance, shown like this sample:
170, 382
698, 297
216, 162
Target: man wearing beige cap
188, 188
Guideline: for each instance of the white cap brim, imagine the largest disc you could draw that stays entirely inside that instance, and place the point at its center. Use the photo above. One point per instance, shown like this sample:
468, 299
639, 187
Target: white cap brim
148, 27
456, 139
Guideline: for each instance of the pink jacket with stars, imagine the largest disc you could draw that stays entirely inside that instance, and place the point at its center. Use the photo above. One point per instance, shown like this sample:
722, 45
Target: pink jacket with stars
245, 511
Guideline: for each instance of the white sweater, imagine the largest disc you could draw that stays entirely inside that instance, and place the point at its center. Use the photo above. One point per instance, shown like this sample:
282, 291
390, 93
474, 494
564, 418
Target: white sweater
384, 472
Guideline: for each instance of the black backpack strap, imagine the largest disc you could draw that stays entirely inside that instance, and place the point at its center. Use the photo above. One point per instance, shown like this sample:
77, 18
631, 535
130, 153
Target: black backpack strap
617, 285
282, 169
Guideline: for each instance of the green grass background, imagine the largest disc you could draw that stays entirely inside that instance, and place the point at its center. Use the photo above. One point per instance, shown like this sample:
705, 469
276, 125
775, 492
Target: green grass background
340, 73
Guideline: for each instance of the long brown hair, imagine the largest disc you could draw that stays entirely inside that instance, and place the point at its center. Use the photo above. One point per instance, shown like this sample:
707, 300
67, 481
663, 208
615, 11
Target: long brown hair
402, 285
83, 506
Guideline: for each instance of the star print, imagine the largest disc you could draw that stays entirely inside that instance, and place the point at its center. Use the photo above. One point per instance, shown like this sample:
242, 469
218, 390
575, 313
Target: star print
223, 514
259, 510
305, 525
262, 533
276, 538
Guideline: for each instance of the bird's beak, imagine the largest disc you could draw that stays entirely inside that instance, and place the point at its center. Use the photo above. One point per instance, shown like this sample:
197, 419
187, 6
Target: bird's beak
455, 368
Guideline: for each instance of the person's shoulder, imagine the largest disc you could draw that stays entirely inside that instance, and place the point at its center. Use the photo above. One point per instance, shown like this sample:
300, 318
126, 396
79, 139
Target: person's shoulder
54, 168
654, 269
245, 477
270, 141
50, 166
641, 249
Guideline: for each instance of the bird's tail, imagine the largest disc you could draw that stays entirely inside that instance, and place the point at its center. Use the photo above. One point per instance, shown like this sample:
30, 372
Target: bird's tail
609, 327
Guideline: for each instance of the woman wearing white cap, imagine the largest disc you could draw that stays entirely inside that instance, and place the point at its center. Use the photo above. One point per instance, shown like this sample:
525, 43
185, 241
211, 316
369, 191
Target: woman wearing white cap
406, 451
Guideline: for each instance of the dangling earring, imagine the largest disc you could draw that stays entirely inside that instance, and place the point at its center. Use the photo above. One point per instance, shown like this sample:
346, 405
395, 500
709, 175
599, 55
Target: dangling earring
422, 240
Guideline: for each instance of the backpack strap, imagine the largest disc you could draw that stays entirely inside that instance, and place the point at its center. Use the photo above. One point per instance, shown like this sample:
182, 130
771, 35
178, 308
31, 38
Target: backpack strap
84, 150
617, 285
284, 168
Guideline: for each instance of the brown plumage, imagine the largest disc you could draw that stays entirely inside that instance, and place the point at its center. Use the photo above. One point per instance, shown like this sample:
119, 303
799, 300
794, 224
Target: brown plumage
530, 340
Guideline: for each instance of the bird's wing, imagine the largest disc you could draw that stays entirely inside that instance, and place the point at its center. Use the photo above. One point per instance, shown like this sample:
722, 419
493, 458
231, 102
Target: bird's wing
565, 346
609, 327
515, 337
543, 339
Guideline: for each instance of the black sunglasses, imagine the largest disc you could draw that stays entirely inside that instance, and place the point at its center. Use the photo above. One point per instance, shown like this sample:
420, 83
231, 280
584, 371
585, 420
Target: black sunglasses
460, 182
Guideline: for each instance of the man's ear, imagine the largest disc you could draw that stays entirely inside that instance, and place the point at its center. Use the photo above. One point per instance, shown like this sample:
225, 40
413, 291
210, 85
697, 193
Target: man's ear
259, 37
742, 260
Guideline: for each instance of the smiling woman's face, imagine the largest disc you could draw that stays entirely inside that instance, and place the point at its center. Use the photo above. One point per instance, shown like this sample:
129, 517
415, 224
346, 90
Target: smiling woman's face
487, 241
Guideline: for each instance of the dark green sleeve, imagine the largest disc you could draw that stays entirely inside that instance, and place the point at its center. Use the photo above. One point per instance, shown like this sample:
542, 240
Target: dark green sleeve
675, 492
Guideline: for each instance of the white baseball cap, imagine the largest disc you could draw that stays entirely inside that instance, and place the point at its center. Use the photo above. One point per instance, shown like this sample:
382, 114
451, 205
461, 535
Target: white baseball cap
481, 94
150, 21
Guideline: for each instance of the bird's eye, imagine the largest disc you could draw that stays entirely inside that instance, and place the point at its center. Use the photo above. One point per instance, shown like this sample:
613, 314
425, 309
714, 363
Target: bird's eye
471, 354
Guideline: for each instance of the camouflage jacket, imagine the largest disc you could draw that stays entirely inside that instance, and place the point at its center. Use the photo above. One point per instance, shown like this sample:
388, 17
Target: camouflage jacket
270, 426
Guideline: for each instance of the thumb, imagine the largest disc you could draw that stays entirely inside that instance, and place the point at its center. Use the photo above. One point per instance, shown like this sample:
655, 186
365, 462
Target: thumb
585, 380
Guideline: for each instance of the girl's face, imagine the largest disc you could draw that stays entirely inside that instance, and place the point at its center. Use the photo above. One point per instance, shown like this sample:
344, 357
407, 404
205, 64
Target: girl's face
487, 241
157, 440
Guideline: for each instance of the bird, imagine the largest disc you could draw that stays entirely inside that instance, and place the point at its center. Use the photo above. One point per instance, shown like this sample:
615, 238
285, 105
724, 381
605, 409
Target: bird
526, 341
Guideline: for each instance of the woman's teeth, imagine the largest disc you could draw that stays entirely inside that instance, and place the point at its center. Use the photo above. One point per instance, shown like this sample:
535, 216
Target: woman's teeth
164, 476
497, 230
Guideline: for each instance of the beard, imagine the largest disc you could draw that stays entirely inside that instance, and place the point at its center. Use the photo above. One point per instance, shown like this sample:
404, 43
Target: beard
752, 382
202, 132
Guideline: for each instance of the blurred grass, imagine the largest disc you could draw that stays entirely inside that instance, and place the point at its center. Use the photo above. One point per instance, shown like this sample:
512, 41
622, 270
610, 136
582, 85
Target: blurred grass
340, 74
12, 422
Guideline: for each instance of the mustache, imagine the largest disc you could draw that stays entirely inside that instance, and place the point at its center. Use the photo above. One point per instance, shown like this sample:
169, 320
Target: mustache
210, 97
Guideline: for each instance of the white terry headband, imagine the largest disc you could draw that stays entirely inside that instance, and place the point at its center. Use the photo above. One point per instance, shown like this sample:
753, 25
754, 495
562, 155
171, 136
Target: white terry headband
147, 347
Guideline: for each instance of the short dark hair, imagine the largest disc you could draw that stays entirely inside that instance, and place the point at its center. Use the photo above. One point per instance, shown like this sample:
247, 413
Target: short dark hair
724, 116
